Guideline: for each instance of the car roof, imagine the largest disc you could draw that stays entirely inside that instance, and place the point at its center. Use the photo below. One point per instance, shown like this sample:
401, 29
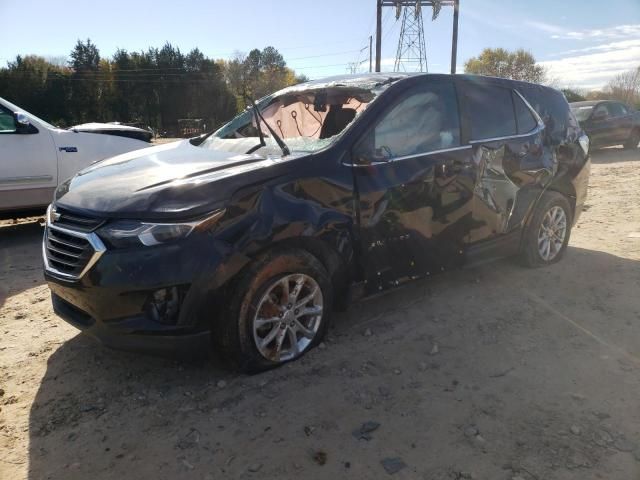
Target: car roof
588, 103
393, 77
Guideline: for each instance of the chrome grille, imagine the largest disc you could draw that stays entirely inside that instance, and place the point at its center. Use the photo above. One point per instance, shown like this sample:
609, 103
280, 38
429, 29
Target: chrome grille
69, 252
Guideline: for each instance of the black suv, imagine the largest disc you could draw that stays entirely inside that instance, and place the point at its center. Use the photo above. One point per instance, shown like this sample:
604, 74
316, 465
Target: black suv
323, 192
609, 123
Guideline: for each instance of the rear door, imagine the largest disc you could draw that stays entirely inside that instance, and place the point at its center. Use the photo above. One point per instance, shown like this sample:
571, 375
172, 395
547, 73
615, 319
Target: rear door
414, 181
512, 164
621, 121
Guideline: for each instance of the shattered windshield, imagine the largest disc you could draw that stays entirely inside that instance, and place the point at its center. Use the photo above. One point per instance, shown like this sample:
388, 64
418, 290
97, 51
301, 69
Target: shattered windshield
582, 113
307, 117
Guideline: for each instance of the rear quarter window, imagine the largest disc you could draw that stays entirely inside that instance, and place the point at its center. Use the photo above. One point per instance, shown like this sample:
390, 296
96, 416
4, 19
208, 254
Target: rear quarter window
524, 118
490, 110
553, 109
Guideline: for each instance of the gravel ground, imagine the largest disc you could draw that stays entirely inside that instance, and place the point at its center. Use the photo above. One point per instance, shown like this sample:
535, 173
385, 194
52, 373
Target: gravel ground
495, 372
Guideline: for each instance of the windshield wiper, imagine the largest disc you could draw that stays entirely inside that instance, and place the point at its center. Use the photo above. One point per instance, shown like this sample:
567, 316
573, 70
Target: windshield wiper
276, 137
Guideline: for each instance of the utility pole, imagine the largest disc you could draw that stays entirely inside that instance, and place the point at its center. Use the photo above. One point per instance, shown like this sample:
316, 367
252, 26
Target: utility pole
378, 33
454, 40
370, 53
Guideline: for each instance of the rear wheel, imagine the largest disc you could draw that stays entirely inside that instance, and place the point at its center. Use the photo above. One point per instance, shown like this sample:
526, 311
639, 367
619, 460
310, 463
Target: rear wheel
634, 140
547, 235
279, 310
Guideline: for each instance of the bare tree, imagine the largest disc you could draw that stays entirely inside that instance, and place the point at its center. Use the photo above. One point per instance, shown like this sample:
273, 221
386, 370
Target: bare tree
625, 87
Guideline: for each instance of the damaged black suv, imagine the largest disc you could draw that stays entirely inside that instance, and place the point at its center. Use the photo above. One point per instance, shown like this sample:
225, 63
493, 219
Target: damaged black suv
249, 237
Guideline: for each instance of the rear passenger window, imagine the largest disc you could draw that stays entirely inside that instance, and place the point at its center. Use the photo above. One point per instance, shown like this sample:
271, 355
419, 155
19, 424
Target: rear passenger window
491, 111
524, 118
616, 109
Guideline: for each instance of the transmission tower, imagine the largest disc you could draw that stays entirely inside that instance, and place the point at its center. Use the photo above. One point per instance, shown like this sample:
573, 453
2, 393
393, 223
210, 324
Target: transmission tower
412, 49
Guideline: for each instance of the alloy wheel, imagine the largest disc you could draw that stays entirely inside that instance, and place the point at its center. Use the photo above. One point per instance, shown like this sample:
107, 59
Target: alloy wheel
288, 317
552, 233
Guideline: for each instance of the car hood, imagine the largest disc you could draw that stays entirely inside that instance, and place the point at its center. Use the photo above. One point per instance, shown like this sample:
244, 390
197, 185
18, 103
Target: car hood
165, 181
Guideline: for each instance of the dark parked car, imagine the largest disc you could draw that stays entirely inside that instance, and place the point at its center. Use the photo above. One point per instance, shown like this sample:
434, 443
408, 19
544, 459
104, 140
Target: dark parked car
609, 123
317, 195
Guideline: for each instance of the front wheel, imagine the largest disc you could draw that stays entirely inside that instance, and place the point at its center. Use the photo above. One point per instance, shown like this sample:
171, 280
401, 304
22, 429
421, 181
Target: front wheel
279, 310
633, 141
547, 235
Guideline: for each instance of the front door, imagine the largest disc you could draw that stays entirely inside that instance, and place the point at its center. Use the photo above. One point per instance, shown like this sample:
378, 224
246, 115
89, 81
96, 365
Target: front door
601, 126
28, 164
414, 180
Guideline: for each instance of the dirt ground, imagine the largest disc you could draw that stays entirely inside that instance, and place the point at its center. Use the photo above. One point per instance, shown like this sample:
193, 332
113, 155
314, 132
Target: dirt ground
495, 372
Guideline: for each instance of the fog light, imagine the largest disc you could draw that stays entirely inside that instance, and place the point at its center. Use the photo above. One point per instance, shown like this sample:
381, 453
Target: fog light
164, 305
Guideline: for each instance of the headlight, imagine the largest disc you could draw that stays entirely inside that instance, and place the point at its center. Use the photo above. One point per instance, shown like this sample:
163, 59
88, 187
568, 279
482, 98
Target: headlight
130, 233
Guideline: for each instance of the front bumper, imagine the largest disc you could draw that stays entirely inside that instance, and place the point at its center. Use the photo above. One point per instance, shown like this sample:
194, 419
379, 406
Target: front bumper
112, 301
139, 339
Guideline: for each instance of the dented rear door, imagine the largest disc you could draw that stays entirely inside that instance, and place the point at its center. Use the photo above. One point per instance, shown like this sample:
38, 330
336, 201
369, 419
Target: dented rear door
511, 161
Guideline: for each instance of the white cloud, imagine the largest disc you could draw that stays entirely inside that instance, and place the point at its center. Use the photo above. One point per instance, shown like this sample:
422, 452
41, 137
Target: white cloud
545, 27
616, 32
606, 47
609, 33
609, 52
594, 70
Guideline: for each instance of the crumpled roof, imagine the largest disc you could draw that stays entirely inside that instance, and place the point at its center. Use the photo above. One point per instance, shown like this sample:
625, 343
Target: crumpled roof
363, 80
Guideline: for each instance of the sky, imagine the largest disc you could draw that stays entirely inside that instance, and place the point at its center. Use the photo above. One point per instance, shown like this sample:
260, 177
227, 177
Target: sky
583, 43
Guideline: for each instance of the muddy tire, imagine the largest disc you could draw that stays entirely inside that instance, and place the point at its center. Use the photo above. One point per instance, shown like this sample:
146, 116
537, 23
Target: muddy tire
633, 141
279, 309
546, 236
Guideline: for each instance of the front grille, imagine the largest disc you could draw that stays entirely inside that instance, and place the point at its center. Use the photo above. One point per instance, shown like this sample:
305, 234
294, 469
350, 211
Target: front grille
77, 222
70, 247
67, 253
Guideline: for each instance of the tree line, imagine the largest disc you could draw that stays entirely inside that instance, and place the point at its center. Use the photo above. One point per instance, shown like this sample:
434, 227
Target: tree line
156, 87
159, 86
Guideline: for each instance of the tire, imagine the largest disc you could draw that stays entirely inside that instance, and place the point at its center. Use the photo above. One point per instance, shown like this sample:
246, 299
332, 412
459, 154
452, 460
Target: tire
634, 140
552, 206
258, 296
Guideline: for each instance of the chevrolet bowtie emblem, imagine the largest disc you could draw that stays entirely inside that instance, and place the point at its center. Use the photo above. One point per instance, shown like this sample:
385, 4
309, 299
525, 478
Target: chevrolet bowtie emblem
53, 215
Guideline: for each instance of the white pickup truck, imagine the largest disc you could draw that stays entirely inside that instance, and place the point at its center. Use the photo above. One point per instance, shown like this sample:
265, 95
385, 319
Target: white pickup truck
35, 157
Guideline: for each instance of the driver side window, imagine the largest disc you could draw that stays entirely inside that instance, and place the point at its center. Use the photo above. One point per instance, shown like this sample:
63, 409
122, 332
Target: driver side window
600, 112
421, 122
7, 122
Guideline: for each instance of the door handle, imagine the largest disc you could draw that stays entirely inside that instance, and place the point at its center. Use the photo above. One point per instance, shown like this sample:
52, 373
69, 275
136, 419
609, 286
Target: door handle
450, 168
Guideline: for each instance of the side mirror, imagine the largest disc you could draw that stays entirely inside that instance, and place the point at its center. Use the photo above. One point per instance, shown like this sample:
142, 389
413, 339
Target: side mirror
23, 125
22, 120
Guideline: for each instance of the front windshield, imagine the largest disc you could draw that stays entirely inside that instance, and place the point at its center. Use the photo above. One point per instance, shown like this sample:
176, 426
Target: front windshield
307, 119
582, 113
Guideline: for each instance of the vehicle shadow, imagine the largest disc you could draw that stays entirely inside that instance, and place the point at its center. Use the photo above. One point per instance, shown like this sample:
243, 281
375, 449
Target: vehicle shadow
614, 155
105, 414
20, 264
